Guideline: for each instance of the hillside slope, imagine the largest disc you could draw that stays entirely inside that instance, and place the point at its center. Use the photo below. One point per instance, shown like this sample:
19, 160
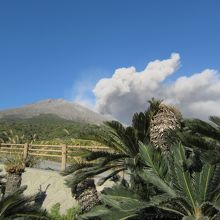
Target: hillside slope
46, 127
50, 121
59, 107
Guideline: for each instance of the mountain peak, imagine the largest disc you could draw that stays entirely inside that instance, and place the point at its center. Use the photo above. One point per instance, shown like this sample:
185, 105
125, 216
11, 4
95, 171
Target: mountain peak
59, 107
51, 100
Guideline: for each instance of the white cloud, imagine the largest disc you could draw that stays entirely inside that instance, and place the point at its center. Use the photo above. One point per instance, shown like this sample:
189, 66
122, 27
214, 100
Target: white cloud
197, 95
127, 91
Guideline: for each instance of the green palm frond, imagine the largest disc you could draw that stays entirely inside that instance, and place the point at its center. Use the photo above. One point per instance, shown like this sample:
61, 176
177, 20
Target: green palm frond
204, 130
187, 186
124, 139
153, 159
17, 205
201, 136
213, 187
197, 142
102, 180
184, 192
156, 169
119, 200
176, 205
80, 175
141, 124
102, 212
104, 155
108, 137
98, 211
202, 127
76, 165
208, 183
158, 182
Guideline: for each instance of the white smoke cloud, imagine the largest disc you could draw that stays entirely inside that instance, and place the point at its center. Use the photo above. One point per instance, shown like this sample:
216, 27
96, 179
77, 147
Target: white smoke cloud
79, 94
197, 95
127, 91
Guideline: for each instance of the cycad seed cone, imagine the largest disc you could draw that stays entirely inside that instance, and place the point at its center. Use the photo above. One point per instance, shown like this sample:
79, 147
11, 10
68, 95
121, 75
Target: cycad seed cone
167, 118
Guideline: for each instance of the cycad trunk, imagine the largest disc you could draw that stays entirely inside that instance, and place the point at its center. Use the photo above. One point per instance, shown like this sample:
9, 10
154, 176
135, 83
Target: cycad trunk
2, 185
167, 118
87, 195
13, 182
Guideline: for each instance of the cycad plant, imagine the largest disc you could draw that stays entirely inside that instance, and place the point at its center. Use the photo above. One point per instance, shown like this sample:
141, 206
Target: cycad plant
55, 214
87, 195
121, 156
192, 196
123, 150
16, 206
12, 138
14, 166
195, 195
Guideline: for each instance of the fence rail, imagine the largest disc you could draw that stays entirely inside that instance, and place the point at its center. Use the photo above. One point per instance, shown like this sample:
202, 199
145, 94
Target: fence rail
62, 152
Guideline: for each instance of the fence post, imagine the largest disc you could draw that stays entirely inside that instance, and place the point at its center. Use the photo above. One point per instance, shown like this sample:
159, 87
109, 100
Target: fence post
26, 148
64, 157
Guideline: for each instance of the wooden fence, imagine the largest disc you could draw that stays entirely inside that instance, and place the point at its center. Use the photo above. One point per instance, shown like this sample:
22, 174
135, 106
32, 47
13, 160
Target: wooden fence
62, 152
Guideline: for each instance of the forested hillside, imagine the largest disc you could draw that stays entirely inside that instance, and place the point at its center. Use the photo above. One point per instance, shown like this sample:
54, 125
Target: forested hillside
46, 128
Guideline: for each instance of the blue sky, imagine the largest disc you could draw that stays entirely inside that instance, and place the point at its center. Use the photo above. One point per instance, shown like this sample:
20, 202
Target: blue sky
51, 48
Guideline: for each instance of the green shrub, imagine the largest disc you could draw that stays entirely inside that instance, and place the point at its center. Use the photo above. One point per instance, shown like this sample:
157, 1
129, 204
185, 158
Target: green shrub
56, 215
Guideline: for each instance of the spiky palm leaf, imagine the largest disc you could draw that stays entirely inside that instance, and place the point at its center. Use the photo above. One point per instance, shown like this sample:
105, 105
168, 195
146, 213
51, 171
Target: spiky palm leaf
191, 192
120, 201
18, 206
123, 149
195, 195
202, 137
122, 154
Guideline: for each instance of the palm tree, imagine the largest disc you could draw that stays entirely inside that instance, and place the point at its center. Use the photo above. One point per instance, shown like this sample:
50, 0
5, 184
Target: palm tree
123, 153
188, 196
17, 206
123, 150
15, 165
166, 119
